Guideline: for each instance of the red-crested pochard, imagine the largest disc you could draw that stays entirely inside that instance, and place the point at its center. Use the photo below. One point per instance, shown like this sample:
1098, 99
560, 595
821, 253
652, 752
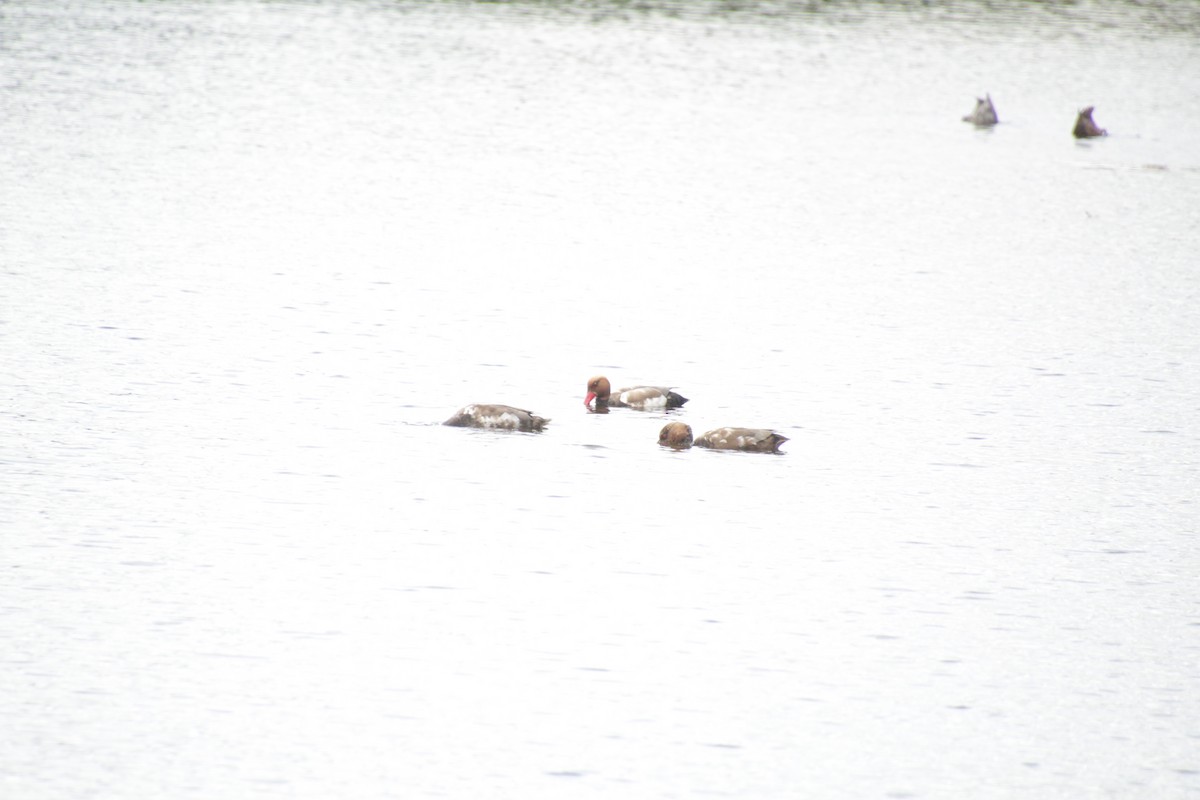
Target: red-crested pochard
481, 415
645, 398
750, 440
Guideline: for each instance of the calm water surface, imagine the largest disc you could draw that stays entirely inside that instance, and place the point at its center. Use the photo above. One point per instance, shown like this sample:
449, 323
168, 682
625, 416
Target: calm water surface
251, 254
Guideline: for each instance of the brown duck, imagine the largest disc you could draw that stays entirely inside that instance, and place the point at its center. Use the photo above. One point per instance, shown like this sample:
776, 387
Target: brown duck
645, 398
677, 435
490, 415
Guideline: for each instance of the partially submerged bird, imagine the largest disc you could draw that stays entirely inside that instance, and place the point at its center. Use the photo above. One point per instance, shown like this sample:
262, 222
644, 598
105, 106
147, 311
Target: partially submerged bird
645, 398
1086, 127
984, 115
677, 435
489, 415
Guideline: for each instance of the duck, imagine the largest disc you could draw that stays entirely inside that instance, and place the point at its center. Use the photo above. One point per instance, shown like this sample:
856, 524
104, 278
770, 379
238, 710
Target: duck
678, 435
984, 115
494, 415
1086, 127
644, 398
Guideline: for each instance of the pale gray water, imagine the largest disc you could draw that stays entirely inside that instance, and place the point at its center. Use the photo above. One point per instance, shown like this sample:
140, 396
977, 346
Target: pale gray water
252, 253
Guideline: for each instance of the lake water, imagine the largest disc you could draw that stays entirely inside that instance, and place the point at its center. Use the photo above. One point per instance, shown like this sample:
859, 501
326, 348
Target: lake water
251, 254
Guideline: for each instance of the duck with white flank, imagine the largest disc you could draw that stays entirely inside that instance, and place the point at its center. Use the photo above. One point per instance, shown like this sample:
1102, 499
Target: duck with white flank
677, 435
644, 398
481, 415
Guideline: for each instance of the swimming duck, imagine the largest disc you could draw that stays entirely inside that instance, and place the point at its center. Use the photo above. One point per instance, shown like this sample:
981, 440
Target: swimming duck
645, 398
490, 415
677, 435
